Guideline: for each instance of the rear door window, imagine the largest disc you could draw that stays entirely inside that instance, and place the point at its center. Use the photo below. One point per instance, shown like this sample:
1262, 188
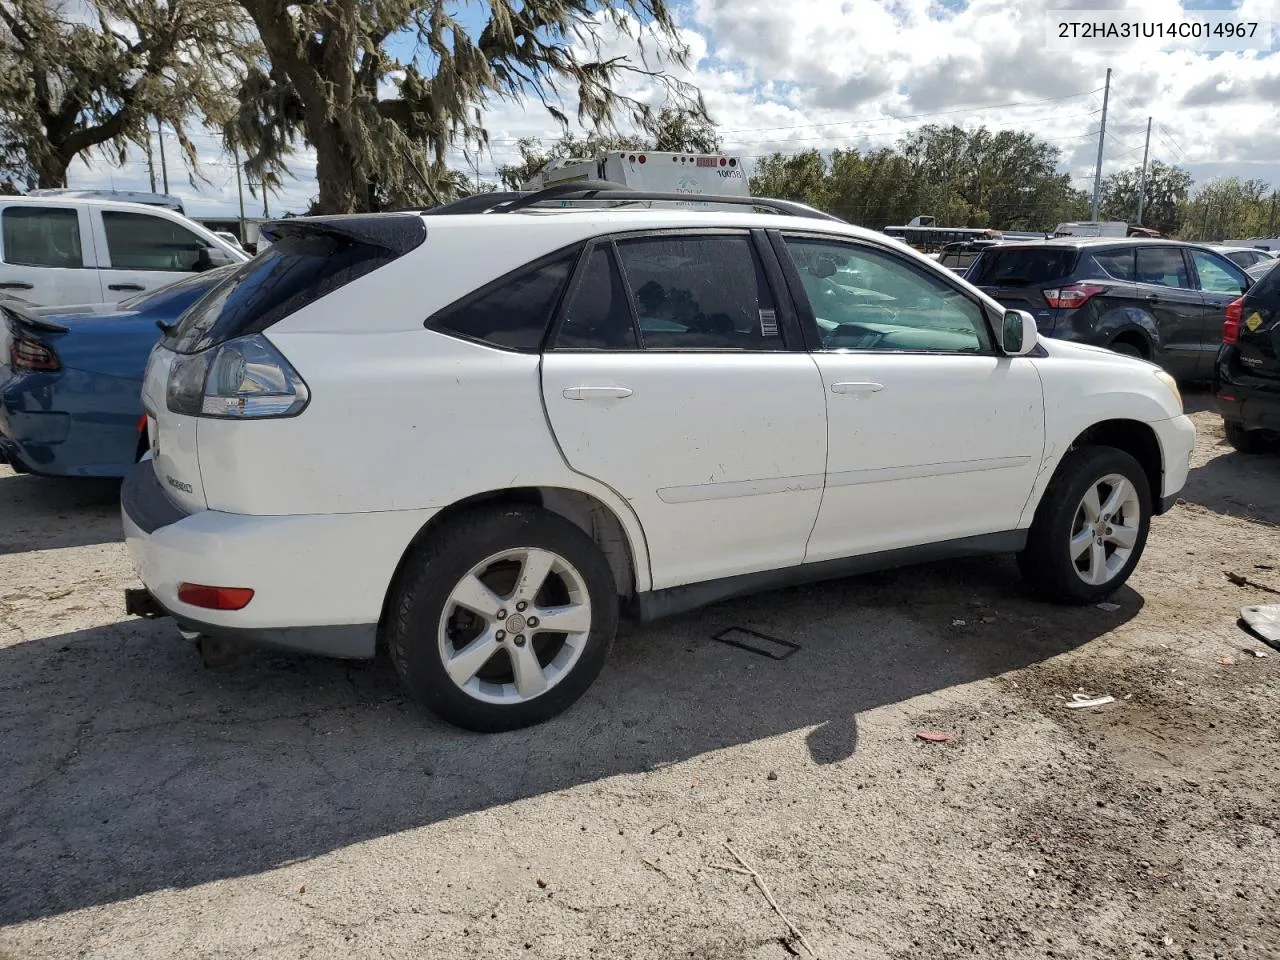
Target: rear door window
1117, 264
1022, 267
1162, 266
700, 293
41, 237
139, 241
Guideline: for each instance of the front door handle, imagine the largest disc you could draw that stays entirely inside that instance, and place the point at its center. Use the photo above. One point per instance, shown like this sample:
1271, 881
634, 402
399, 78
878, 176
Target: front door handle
1151, 298
846, 386
125, 286
15, 285
595, 393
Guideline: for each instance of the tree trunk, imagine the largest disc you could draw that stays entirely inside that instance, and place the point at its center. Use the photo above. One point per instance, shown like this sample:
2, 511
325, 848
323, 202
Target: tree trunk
339, 193
52, 171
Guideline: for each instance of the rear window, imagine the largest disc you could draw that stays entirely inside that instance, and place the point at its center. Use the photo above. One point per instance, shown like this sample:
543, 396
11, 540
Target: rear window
309, 260
1022, 267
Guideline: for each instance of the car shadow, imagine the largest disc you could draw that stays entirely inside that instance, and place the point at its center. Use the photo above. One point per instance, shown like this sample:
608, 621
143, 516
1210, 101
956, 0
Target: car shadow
1236, 484
47, 513
131, 769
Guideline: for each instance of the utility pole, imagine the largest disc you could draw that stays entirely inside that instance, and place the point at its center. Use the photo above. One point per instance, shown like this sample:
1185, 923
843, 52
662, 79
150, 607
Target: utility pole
164, 167
1271, 223
265, 213
151, 167
235, 150
1102, 135
1142, 181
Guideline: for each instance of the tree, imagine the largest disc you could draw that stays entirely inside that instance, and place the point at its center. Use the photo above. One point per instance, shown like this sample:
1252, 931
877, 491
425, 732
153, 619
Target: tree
72, 84
1230, 209
372, 149
674, 129
961, 177
1166, 192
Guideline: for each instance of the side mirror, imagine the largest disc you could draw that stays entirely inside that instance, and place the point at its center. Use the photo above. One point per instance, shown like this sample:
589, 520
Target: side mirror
1018, 333
210, 257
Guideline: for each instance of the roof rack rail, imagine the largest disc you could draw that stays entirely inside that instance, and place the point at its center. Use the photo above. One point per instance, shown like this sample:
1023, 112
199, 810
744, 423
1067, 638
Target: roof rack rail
510, 202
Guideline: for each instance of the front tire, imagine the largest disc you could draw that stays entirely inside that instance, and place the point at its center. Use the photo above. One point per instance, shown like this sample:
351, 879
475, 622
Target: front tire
503, 618
1090, 528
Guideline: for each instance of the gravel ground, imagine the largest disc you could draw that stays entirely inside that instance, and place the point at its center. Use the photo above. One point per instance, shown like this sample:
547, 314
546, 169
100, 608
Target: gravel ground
287, 807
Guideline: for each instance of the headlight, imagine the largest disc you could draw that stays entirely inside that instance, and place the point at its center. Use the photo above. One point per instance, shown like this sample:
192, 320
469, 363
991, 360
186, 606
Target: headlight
1172, 384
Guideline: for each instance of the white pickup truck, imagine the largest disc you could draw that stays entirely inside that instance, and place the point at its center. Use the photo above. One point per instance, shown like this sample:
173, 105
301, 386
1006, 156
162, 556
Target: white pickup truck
56, 251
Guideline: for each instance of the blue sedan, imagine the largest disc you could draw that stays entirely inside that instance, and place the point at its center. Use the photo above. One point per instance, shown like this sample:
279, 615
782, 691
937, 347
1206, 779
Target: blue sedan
71, 379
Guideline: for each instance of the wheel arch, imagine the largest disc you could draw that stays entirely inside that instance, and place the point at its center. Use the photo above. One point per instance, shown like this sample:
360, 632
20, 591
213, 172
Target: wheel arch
1133, 437
620, 542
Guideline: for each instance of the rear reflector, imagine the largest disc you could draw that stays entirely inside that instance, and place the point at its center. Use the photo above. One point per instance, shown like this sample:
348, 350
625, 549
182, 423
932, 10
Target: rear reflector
1231, 326
214, 598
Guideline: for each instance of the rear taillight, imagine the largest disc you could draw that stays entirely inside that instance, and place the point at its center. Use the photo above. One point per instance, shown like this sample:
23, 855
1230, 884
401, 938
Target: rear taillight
242, 379
32, 355
1231, 326
1070, 297
214, 598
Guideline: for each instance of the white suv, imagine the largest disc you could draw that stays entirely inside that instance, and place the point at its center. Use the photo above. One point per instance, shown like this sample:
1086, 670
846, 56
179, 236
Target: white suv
478, 437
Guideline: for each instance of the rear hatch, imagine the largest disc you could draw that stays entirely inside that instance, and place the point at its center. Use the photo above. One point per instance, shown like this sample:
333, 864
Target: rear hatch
309, 258
1017, 277
1258, 346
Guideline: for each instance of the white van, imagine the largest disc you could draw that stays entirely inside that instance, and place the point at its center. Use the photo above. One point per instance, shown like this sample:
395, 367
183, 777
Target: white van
56, 251
693, 173
1092, 228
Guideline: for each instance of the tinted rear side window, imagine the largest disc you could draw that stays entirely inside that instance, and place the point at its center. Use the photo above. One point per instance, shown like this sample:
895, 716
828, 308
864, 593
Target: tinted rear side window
514, 312
1163, 266
1117, 264
1015, 267
303, 265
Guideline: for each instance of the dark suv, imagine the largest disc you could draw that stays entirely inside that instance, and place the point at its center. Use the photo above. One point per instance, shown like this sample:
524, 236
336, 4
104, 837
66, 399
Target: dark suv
1246, 377
1156, 299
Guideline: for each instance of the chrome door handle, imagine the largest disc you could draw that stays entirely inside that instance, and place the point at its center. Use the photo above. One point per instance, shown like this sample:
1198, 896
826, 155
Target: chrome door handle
595, 393
846, 386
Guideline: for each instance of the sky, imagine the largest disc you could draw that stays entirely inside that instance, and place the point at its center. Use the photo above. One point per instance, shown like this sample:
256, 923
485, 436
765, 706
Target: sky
860, 73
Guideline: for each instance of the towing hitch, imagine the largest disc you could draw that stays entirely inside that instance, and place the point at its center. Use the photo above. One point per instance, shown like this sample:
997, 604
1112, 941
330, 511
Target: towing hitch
138, 602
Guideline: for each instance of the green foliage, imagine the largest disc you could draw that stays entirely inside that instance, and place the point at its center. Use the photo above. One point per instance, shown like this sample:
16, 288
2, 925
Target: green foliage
1231, 209
1005, 180
375, 150
1165, 193
86, 80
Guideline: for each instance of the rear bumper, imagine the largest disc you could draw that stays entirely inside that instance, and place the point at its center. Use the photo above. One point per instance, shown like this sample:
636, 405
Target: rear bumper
319, 581
1252, 402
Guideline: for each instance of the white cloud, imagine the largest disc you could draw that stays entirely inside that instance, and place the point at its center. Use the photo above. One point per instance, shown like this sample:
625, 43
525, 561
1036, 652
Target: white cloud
828, 73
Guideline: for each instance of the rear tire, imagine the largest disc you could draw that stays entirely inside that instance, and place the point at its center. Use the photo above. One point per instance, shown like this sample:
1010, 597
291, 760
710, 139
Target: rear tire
1245, 441
467, 630
1090, 527
1128, 349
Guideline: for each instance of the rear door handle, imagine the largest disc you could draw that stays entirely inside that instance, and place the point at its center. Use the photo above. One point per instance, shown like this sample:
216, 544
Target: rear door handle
846, 386
15, 285
1151, 298
125, 286
595, 393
